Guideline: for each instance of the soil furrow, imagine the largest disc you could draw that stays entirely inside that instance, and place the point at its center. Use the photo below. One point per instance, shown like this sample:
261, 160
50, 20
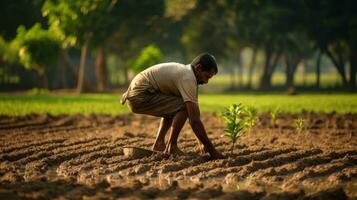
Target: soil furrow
156, 160
300, 165
53, 129
327, 169
37, 132
269, 163
25, 124
243, 168
29, 154
277, 161
87, 162
58, 152
113, 150
29, 145
57, 159
347, 174
235, 161
181, 165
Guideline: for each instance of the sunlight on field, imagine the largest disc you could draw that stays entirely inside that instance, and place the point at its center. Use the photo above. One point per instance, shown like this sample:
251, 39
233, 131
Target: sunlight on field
109, 103
65, 104
309, 79
346, 103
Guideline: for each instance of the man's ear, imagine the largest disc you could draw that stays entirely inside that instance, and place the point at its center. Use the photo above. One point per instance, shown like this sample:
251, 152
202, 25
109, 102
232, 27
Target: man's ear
199, 67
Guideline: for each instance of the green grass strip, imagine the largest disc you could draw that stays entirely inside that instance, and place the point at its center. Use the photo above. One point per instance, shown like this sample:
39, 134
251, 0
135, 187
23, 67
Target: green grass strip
86, 104
320, 103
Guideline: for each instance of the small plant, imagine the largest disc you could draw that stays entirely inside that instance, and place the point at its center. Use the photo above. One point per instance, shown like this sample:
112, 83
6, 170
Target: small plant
234, 122
251, 117
299, 125
274, 116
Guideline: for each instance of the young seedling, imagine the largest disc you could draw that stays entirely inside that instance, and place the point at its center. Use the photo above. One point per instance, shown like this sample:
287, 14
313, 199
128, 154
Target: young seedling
234, 122
251, 117
274, 116
299, 125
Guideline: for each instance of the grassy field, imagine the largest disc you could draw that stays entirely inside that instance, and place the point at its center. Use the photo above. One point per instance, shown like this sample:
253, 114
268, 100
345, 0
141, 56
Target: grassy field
220, 82
326, 103
109, 103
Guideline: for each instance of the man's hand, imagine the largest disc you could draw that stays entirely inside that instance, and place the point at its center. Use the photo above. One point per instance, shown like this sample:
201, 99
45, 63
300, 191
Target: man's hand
199, 130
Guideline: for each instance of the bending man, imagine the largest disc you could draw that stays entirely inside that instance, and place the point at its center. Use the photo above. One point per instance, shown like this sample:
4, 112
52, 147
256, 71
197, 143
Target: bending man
170, 91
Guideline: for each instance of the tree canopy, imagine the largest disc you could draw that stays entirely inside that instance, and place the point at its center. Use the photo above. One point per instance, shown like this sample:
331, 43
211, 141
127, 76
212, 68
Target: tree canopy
142, 32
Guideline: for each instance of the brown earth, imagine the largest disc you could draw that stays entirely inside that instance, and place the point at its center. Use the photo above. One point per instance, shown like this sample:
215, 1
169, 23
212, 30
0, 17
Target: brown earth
81, 157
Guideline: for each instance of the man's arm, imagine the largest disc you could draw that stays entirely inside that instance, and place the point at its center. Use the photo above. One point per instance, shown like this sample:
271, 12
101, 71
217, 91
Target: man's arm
199, 130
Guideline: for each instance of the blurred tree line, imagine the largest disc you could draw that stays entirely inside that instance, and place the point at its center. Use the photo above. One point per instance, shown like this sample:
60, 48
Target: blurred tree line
44, 40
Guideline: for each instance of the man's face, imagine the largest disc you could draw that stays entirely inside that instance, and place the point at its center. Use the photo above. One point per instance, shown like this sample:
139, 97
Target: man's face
204, 76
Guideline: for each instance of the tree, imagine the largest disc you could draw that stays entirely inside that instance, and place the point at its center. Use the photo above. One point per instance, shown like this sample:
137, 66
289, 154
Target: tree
332, 27
16, 13
137, 30
149, 56
87, 22
38, 49
259, 25
203, 31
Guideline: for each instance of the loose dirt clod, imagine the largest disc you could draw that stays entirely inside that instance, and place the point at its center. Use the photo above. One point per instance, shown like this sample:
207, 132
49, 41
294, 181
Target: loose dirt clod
137, 152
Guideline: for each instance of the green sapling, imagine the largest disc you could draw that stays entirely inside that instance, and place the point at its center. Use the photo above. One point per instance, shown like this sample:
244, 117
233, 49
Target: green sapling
299, 125
251, 117
274, 116
234, 122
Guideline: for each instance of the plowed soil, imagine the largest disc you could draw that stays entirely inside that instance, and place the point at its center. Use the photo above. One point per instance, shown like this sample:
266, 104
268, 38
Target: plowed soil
81, 157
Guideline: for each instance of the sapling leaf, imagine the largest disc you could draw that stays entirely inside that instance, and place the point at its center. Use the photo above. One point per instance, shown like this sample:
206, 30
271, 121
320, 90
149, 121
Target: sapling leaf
299, 125
274, 115
235, 123
251, 117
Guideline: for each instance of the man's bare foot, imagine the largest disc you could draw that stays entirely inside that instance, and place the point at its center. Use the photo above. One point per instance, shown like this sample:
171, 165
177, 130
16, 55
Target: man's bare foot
174, 150
158, 146
201, 148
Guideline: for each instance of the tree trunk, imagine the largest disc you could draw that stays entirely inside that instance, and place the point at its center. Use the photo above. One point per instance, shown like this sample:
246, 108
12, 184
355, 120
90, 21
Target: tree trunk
45, 80
68, 63
318, 69
264, 78
251, 68
273, 65
239, 71
82, 65
126, 76
353, 67
340, 66
101, 69
291, 66
269, 70
289, 72
64, 83
233, 78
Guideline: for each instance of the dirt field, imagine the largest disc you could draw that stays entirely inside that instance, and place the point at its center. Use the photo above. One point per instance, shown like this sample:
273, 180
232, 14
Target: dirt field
77, 157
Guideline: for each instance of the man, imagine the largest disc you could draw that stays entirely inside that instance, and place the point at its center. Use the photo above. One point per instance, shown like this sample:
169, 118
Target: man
170, 91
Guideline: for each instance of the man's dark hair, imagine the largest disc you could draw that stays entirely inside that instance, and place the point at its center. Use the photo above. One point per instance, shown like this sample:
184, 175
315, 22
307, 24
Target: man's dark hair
207, 61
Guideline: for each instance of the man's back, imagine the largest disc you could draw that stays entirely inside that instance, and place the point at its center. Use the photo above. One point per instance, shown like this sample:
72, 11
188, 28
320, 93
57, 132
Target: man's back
173, 79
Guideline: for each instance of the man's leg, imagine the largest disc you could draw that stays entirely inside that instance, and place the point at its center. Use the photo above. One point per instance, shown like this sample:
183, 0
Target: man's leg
177, 124
165, 125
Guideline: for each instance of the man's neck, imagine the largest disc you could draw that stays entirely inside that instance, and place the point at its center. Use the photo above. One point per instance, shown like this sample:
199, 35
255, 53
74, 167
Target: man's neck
194, 72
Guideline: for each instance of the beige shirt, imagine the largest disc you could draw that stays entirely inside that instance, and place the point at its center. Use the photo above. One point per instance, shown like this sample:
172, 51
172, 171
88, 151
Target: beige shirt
173, 79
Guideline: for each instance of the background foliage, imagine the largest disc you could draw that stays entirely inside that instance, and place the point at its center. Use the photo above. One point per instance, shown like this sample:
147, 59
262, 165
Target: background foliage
83, 44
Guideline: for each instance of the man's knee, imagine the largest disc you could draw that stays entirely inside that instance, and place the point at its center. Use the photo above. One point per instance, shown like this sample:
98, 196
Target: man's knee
182, 111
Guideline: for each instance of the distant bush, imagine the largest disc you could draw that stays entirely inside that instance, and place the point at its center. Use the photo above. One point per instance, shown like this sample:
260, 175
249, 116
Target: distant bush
38, 91
148, 56
39, 48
